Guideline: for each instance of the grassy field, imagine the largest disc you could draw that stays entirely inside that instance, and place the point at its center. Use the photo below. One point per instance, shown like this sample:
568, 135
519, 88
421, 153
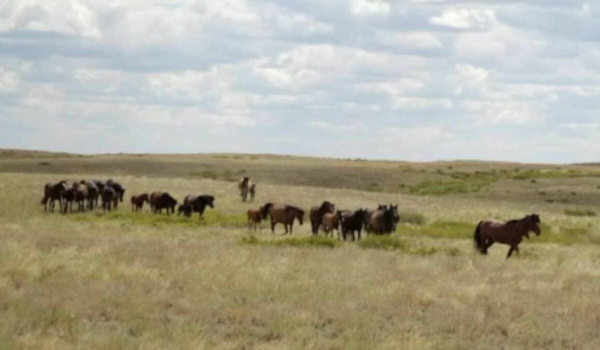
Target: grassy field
142, 281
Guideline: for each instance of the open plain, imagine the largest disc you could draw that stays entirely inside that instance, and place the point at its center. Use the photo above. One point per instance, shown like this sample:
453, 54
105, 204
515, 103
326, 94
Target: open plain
137, 280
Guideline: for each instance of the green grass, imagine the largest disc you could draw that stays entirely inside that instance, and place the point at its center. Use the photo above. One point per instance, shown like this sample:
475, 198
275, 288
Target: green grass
402, 244
310, 241
214, 218
578, 212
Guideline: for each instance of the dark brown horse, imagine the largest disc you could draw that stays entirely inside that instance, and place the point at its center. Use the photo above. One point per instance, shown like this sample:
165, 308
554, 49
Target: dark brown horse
199, 203
68, 197
283, 214
316, 215
352, 222
137, 201
510, 233
382, 221
254, 218
52, 193
93, 194
119, 189
244, 185
109, 196
252, 191
162, 200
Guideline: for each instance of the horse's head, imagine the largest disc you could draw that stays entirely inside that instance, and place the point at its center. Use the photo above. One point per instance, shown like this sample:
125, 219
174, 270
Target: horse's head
145, 198
328, 207
210, 201
534, 224
382, 207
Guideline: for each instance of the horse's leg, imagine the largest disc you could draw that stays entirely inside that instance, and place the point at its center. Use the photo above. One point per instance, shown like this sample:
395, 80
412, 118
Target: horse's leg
510, 251
292, 228
272, 226
486, 244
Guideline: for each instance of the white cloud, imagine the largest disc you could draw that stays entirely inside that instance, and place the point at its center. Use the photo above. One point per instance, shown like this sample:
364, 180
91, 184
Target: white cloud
474, 19
369, 8
425, 76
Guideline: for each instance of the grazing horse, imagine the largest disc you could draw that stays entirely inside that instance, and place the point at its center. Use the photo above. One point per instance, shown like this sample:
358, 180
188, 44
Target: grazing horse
162, 200
186, 209
353, 222
510, 233
199, 203
81, 195
396, 215
137, 201
316, 215
52, 193
254, 218
381, 221
109, 196
244, 185
284, 214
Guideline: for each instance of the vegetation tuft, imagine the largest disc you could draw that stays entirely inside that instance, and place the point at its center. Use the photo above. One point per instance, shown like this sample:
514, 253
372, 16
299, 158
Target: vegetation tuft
311, 241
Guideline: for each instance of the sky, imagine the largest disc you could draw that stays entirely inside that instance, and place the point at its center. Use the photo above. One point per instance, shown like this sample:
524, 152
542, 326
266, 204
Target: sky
417, 80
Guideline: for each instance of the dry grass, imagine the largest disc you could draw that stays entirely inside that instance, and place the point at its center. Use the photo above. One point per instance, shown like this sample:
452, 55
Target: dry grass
122, 280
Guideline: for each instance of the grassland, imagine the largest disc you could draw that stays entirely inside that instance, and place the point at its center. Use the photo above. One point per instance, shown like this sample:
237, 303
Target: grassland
129, 281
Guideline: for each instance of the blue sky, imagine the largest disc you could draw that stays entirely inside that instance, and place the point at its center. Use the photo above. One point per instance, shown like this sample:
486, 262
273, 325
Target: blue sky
412, 80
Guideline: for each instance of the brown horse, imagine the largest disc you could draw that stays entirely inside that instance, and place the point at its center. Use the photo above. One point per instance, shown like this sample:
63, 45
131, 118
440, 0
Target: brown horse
52, 193
284, 214
510, 233
331, 221
137, 201
316, 215
162, 200
81, 195
254, 218
199, 203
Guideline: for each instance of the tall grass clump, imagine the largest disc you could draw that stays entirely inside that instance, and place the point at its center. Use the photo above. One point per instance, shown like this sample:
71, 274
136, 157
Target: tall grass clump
577, 212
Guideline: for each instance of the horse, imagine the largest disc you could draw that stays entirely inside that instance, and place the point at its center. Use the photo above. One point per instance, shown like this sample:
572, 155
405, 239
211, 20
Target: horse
162, 200
108, 196
381, 221
67, 197
252, 191
510, 233
119, 190
81, 195
137, 201
316, 215
331, 221
93, 193
52, 193
243, 185
353, 222
186, 209
254, 218
284, 214
394, 209
199, 203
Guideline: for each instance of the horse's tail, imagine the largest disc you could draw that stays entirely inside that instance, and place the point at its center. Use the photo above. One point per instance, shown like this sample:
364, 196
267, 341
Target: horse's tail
265, 210
478, 239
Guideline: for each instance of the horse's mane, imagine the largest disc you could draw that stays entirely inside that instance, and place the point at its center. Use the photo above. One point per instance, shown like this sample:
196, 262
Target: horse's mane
265, 210
325, 204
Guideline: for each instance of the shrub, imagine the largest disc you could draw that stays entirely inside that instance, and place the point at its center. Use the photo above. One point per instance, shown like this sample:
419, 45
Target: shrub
576, 212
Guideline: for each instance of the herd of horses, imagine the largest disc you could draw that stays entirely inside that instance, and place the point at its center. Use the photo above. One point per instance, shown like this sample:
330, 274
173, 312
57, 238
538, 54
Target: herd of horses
88, 193
325, 217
